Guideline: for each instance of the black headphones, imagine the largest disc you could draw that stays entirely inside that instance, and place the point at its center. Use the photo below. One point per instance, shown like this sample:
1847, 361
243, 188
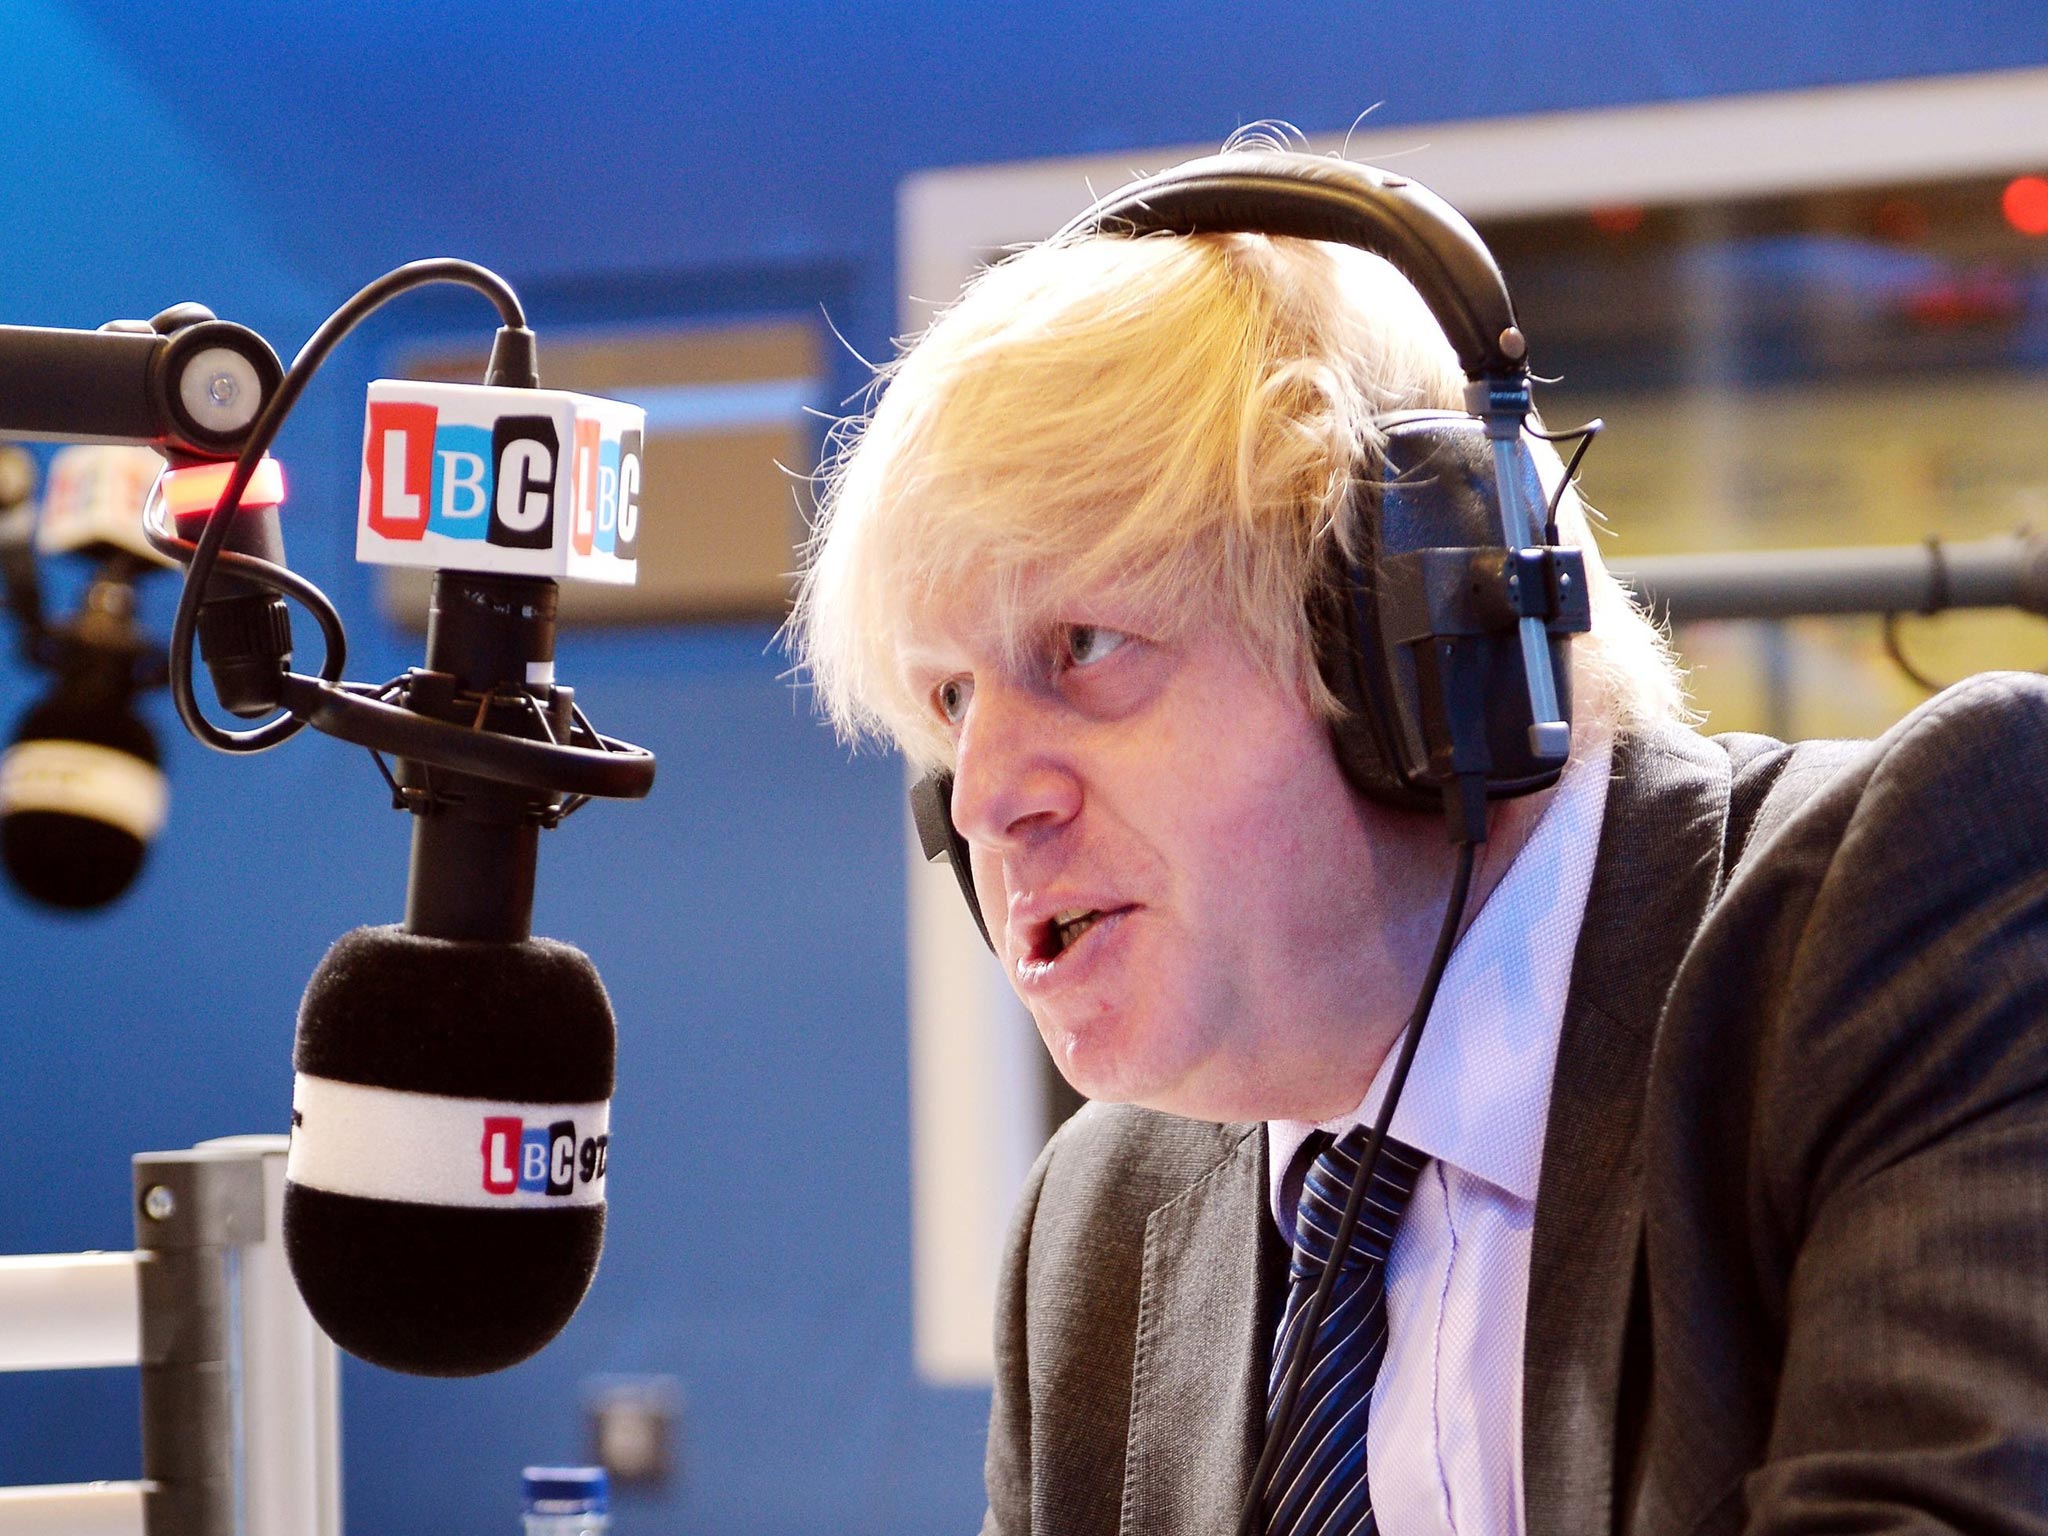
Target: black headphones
1447, 641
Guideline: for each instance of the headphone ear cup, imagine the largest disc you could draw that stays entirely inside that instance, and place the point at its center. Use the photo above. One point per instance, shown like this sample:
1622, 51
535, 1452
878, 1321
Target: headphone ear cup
1370, 732
1435, 490
931, 808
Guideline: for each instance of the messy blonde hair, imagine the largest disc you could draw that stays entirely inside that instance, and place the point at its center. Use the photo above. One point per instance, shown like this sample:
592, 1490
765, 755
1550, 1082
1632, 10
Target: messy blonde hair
1175, 419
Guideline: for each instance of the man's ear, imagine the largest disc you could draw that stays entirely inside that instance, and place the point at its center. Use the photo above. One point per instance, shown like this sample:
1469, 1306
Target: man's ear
931, 807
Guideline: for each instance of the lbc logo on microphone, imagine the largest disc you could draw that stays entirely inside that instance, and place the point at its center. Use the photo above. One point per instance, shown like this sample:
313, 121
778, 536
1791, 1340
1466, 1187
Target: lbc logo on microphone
496, 484
539, 1159
526, 482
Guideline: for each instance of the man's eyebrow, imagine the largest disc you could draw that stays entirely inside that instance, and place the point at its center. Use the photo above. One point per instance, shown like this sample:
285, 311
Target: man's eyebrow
914, 660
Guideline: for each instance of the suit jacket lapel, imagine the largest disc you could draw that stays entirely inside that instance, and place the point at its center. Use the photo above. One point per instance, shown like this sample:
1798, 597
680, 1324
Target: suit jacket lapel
1198, 1392
1659, 868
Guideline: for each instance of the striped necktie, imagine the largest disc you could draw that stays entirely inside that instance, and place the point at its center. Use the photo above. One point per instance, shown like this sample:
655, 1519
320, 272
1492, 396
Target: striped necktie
1318, 1487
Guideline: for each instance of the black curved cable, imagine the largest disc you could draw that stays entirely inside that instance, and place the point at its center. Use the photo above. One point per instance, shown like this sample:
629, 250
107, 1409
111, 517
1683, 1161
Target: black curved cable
1585, 436
278, 579
203, 556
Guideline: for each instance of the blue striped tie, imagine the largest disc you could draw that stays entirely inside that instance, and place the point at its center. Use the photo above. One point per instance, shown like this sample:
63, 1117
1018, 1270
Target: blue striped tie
1319, 1488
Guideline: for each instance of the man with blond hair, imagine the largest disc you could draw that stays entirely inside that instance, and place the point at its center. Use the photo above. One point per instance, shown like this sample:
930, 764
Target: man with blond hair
1722, 1156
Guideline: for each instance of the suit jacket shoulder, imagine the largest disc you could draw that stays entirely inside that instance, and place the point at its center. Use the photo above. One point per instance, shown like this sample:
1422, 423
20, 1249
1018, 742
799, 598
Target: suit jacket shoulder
1846, 1160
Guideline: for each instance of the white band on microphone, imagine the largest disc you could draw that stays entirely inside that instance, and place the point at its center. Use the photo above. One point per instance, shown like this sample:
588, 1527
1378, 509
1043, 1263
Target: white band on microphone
77, 778
425, 1149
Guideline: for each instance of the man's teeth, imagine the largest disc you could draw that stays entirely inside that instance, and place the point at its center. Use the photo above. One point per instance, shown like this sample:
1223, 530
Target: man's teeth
1069, 926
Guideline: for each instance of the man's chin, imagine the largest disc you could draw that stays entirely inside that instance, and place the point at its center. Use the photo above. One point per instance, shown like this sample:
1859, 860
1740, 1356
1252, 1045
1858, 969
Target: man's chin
1113, 1059
1089, 1054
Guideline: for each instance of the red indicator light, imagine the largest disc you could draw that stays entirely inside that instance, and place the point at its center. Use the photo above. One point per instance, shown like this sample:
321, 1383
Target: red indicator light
198, 487
2025, 204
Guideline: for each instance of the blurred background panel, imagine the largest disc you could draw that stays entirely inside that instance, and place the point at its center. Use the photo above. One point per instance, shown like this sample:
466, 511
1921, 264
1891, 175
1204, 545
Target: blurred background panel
1843, 366
662, 183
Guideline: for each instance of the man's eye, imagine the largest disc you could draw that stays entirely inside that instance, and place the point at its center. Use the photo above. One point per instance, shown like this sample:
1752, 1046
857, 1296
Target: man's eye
951, 697
1088, 643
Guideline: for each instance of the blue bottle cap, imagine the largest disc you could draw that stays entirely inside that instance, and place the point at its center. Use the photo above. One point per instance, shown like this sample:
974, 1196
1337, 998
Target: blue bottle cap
564, 1490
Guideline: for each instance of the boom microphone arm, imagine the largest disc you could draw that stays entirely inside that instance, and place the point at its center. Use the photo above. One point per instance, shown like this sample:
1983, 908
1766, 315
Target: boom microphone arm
185, 382
1932, 577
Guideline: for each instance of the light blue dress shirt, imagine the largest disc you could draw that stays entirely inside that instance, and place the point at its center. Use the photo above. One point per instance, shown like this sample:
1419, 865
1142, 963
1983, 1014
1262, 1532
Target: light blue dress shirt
1445, 1438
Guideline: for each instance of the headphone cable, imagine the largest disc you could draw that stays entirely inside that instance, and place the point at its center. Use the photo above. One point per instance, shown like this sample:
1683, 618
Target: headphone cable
201, 556
1250, 1521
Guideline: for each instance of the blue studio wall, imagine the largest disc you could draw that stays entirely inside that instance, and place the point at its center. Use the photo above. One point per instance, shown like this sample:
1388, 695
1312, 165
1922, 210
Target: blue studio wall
614, 159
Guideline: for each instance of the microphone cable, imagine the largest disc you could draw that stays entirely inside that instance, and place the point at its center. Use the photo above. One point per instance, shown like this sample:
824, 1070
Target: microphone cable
1251, 1521
204, 556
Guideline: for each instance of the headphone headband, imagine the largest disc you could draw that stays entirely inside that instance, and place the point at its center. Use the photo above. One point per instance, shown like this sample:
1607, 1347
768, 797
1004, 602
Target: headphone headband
1314, 197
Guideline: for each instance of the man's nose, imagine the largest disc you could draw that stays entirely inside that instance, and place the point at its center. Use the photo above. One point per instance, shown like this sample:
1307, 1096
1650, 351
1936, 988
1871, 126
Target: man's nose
1013, 775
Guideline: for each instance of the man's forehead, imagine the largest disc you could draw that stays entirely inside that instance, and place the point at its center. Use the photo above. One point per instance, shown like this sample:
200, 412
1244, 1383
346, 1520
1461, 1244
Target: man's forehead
956, 622
1010, 614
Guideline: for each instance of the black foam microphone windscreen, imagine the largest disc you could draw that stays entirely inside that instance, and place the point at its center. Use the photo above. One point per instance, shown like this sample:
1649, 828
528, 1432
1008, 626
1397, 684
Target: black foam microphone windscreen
81, 795
444, 1194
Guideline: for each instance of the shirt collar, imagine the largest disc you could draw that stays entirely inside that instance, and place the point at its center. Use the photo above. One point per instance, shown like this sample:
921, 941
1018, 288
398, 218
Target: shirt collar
1478, 1095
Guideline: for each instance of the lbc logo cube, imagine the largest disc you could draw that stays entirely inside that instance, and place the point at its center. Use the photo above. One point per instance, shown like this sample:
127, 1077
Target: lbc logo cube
528, 482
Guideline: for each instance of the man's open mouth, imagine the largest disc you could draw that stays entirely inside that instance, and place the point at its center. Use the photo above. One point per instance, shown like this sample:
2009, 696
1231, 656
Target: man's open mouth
1064, 930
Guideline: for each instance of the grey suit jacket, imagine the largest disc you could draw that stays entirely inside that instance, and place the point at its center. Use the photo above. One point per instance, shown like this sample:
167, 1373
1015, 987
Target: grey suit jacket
1790, 1262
